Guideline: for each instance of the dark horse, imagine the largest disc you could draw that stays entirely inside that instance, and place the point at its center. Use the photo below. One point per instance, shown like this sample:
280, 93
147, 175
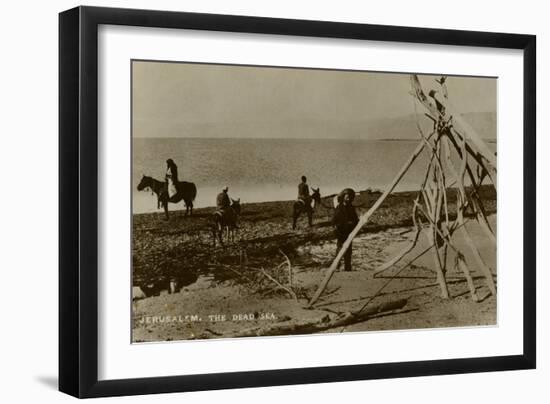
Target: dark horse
226, 223
186, 191
301, 206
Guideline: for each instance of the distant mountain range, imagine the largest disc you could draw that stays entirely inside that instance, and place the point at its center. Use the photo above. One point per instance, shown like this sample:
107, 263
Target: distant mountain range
400, 128
404, 128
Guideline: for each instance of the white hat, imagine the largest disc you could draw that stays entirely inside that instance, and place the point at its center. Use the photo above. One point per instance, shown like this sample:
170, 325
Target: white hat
225, 188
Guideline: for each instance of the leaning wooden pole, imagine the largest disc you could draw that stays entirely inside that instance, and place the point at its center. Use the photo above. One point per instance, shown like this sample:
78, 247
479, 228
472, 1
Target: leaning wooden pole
461, 265
477, 205
363, 220
464, 128
440, 107
460, 218
289, 328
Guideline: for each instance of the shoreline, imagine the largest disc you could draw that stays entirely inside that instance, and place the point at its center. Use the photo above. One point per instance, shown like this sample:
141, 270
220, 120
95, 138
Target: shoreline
144, 203
406, 193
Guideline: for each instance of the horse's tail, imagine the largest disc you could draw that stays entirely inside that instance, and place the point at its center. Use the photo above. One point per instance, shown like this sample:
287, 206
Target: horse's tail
193, 191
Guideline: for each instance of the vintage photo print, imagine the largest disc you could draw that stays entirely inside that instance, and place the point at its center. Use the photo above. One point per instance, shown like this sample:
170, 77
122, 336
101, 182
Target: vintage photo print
275, 201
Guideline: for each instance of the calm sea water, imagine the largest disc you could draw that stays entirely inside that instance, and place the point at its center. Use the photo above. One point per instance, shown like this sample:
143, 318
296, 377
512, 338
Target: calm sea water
258, 170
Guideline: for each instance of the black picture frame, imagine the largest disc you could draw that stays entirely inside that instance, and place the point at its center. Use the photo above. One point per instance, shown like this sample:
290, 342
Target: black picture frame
78, 200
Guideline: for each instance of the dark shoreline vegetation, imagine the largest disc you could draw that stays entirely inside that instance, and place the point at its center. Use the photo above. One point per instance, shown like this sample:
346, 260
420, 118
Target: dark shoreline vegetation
181, 249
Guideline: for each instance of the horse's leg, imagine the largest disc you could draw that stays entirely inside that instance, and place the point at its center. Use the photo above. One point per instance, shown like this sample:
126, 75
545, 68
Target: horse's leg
310, 217
220, 235
165, 205
218, 229
294, 218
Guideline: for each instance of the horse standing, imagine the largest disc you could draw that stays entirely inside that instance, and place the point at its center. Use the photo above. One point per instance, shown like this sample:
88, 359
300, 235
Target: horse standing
301, 206
226, 223
186, 191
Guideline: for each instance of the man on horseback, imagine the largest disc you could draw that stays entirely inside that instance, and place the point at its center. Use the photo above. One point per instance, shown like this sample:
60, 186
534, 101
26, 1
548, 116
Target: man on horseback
304, 203
171, 178
303, 191
223, 203
225, 216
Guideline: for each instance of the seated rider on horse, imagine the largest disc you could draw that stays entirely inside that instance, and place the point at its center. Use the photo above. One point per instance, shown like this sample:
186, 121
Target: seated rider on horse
303, 192
223, 203
171, 178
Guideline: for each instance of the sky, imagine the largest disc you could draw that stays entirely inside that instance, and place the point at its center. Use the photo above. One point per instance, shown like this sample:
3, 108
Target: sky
205, 100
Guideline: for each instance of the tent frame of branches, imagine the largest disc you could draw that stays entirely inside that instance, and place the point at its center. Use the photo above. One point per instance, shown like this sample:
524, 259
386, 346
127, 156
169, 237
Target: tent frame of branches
431, 207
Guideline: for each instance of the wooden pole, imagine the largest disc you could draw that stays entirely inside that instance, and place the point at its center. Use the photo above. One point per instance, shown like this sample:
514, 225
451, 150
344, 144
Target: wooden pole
476, 203
440, 107
461, 263
460, 218
466, 129
483, 266
434, 210
322, 324
432, 235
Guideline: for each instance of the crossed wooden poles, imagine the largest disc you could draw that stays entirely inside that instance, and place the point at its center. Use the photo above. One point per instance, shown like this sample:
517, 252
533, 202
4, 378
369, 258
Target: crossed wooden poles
450, 133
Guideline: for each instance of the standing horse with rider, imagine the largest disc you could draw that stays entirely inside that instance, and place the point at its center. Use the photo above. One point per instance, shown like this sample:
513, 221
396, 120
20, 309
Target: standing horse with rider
171, 190
226, 216
305, 203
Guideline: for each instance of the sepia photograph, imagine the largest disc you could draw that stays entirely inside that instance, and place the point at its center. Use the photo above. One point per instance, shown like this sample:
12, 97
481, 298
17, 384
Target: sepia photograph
277, 201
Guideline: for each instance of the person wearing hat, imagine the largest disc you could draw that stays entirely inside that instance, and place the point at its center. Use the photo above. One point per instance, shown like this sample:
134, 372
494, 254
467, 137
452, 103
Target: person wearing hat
223, 203
344, 220
171, 178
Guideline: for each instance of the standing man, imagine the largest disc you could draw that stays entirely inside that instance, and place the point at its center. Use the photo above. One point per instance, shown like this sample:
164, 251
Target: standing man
303, 191
345, 219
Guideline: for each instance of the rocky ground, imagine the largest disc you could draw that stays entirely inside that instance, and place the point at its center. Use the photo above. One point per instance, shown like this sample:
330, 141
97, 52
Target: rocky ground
227, 290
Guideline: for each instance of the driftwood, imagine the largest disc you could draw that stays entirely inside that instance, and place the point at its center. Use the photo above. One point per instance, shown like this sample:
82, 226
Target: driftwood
440, 110
461, 264
461, 204
448, 125
287, 260
325, 323
278, 284
448, 120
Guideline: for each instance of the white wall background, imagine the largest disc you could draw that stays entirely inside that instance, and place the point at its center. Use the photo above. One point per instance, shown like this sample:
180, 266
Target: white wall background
28, 228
